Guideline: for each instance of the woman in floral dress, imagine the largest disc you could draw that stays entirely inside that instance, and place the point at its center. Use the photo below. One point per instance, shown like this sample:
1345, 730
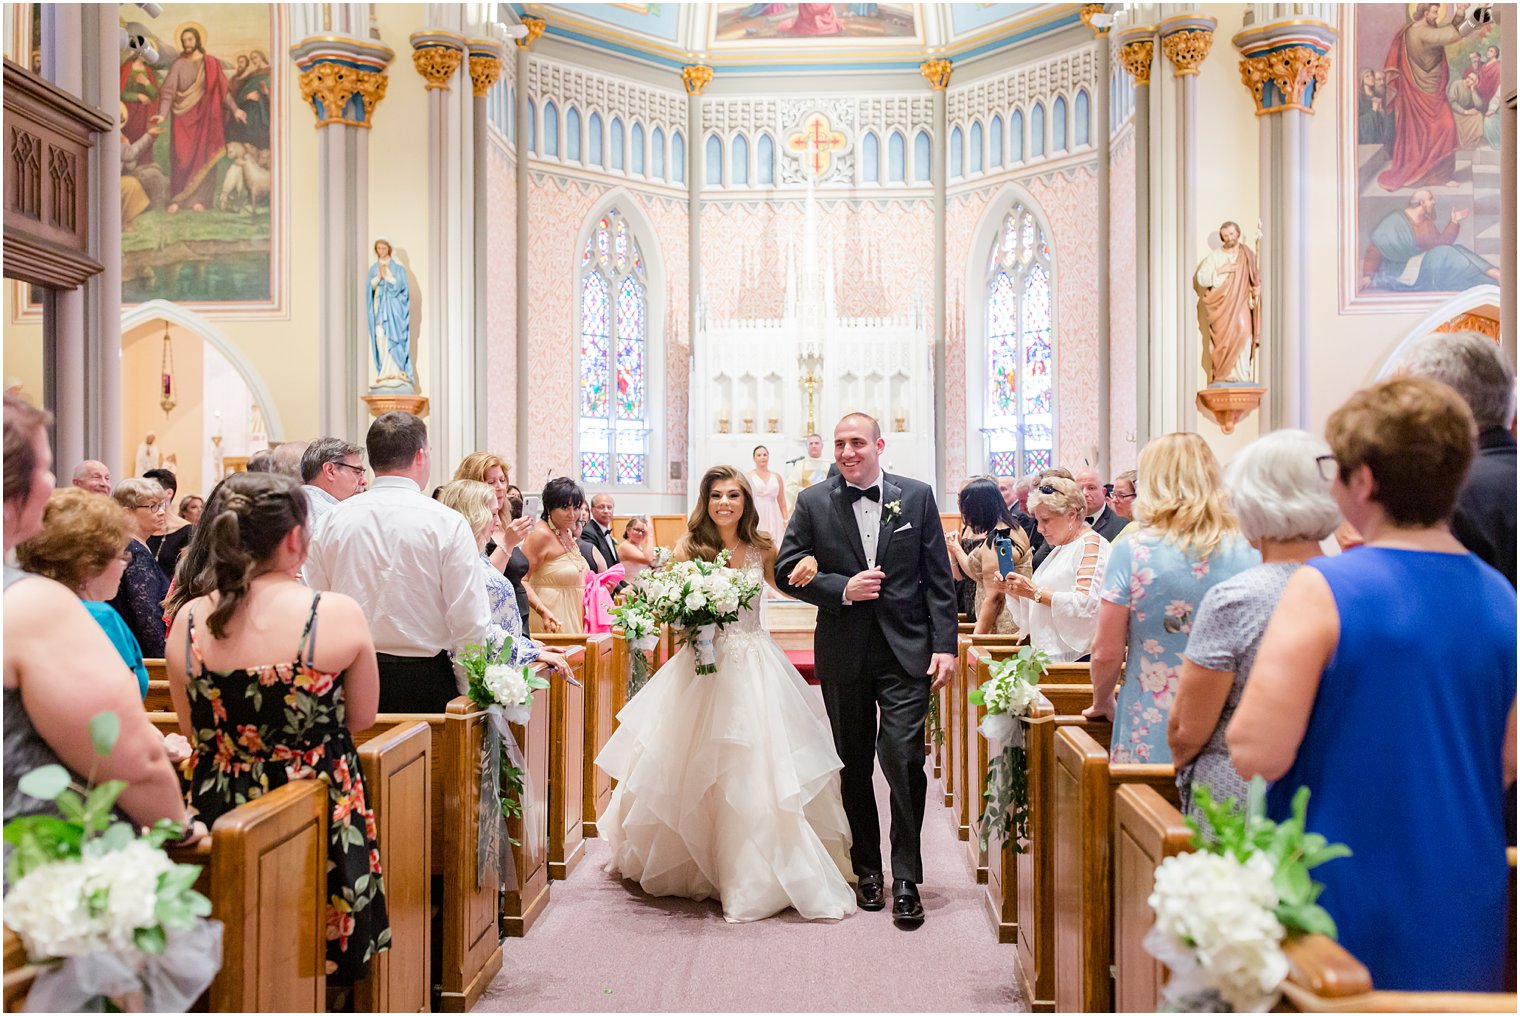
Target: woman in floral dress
264, 701
1188, 542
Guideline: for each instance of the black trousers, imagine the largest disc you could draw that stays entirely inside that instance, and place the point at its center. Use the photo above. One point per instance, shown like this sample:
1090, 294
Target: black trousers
880, 716
416, 684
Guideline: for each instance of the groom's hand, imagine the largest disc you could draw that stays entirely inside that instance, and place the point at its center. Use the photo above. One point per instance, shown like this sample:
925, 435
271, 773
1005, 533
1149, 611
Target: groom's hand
941, 667
864, 586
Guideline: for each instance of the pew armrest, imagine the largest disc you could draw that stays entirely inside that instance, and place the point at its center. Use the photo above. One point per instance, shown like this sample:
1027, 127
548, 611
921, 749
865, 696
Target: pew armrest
1323, 977
1318, 964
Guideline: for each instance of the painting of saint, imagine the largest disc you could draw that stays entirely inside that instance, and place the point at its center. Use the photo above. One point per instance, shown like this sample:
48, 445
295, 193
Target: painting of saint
760, 22
1422, 150
201, 155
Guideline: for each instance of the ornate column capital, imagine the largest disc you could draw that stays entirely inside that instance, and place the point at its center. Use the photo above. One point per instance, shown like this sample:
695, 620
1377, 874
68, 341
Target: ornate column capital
342, 78
1086, 13
485, 64
437, 54
1186, 39
937, 73
696, 77
1137, 50
535, 27
1284, 64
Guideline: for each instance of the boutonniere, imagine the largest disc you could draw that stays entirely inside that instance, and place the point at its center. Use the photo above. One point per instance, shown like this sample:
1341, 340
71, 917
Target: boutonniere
893, 509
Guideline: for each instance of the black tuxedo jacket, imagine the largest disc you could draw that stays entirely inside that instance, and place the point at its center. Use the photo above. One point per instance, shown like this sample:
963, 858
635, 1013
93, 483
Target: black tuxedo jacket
916, 608
599, 538
1109, 523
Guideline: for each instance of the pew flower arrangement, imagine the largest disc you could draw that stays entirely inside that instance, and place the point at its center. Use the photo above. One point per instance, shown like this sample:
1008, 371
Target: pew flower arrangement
641, 631
1223, 911
505, 691
103, 909
1007, 696
701, 598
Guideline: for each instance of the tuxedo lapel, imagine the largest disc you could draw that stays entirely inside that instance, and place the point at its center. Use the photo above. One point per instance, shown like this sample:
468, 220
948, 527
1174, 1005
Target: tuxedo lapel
890, 492
846, 515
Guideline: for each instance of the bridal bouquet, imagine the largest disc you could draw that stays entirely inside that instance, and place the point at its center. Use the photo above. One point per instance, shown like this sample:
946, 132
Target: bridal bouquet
1007, 695
1222, 911
106, 910
700, 597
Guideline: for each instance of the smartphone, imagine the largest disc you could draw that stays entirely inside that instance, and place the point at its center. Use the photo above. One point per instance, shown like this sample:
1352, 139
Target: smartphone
1004, 547
533, 505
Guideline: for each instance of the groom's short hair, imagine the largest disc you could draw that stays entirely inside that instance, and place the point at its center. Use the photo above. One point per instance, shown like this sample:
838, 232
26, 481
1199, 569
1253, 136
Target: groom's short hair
875, 426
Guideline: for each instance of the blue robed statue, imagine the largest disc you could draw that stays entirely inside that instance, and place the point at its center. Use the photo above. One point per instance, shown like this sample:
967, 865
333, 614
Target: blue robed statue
388, 300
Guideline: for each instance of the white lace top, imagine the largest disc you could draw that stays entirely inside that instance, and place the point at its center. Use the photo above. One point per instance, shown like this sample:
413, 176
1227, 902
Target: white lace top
1065, 624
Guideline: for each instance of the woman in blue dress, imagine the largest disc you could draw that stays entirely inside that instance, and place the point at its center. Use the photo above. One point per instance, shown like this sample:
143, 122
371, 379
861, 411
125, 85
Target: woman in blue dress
1385, 683
1188, 542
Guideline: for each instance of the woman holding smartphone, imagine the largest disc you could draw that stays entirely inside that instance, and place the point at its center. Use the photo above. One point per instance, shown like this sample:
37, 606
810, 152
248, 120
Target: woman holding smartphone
1005, 548
1058, 607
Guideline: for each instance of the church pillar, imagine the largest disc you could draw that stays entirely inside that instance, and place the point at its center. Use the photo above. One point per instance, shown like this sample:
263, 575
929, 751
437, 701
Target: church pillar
485, 56
1186, 39
696, 78
102, 293
1102, 100
937, 73
535, 27
343, 77
1283, 65
1137, 50
1507, 294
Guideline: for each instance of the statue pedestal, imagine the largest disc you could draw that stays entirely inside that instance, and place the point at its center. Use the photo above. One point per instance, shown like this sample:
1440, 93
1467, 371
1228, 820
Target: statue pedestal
1228, 406
417, 405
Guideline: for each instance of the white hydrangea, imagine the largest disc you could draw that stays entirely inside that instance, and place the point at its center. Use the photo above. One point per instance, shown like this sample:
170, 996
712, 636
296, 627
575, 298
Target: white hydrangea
507, 685
1008, 694
695, 600
75, 907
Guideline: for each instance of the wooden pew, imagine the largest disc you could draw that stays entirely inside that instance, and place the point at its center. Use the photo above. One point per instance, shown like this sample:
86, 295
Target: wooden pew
1323, 977
398, 783
604, 693
983, 650
962, 792
157, 699
572, 743
667, 528
1147, 830
1085, 783
523, 906
19, 974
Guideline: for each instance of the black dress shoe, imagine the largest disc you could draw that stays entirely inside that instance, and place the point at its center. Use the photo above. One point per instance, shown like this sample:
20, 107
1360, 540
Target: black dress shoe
870, 893
907, 909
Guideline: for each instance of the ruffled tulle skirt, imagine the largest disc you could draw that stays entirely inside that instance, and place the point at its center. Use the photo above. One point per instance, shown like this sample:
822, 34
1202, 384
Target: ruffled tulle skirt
728, 786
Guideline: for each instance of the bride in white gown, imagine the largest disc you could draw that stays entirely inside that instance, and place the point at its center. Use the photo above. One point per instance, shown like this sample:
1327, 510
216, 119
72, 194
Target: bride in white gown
728, 783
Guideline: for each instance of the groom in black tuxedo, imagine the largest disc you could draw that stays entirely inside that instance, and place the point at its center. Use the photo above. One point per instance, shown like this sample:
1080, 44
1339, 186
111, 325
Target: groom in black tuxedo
886, 629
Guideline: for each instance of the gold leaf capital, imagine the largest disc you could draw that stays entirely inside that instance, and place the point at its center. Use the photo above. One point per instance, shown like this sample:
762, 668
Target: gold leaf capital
937, 73
535, 27
696, 77
1291, 72
1187, 49
1137, 57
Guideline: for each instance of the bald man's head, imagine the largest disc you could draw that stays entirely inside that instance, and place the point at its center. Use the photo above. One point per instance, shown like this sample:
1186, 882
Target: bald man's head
93, 476
1091, 485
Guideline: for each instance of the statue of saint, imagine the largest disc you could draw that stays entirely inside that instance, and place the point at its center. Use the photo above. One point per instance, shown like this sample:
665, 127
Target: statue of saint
389, 304
148, 455
1229, 308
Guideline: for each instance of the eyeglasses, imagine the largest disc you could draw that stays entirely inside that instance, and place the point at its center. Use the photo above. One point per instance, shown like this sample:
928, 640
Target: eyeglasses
1123, 497
344, 465
156, 507
1328, 466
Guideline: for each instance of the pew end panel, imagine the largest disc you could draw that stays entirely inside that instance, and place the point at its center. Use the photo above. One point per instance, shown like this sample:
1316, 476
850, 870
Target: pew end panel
567, 751
1147, 830
521, 907
1002, 895
981, 652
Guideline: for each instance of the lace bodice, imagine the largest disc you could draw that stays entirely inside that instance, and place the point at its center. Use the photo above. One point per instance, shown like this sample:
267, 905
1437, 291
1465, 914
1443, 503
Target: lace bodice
752, 618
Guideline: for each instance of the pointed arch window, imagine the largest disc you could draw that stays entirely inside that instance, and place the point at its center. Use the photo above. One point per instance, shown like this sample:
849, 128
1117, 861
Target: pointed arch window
1037, 130
657, 153
995, 142
1058, 125
573, 134
594, 140
614, 425
870, 158
636, 144
678, 157
739, 163
765, 161
615, 142
975, 163
957, 153
1084, 118
551, 129
1019, 419
532, 128
714, 161
1016, 136
923, 161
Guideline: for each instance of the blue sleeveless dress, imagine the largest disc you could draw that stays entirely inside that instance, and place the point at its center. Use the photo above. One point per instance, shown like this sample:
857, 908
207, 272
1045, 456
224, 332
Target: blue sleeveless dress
1403, 758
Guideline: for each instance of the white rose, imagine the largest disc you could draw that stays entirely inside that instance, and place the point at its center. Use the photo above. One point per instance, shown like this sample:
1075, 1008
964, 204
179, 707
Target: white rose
507, 686
695, 600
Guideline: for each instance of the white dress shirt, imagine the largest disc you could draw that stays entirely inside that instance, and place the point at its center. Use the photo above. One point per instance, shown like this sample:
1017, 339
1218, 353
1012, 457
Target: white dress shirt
1092, 520
320, 503
868, 517
410, 562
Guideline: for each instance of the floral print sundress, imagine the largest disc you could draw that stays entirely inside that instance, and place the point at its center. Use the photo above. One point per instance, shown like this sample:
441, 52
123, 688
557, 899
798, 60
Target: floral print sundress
258, 728
1162, 585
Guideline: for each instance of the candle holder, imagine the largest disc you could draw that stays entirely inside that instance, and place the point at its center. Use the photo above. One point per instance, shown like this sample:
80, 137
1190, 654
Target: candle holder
723, 422
772, 424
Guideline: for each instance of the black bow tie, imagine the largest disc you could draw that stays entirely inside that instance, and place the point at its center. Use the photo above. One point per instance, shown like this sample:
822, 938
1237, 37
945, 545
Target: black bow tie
856, 493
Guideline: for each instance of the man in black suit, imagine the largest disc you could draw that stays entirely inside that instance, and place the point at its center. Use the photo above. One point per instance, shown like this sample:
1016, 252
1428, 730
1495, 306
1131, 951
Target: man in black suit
598, 529
1104, 520
886, 629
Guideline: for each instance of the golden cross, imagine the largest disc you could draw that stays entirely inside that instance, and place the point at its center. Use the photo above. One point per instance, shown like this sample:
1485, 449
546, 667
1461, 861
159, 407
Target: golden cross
816, 142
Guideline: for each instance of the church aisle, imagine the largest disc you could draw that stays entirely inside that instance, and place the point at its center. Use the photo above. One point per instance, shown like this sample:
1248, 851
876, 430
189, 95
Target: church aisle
602, 946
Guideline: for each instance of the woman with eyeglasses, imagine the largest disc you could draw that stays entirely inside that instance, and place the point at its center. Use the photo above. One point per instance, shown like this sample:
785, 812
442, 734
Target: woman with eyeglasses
140, 599
1058, 605
1122, 500
83, 545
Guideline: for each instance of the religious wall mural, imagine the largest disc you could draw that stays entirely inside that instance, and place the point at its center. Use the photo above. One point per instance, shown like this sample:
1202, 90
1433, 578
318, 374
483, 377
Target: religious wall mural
748, 23
1420, 150
201, 154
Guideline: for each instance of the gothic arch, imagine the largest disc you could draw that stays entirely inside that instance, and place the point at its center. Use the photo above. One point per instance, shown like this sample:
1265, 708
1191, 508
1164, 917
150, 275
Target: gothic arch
1478, 296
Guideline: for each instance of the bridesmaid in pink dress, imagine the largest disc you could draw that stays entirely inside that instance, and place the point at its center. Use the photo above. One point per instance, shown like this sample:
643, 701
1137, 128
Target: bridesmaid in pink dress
770, 494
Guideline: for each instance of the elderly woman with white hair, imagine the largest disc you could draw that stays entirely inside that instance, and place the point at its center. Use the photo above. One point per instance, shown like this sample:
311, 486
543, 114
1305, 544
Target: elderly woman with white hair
139, 598
1058, 606
1283, 504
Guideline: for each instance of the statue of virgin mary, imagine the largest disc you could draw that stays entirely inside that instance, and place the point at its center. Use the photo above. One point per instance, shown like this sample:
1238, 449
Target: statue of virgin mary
388, 301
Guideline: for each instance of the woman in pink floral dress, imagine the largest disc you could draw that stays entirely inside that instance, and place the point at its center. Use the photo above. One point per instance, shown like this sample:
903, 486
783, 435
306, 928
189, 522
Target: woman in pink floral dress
1188, 542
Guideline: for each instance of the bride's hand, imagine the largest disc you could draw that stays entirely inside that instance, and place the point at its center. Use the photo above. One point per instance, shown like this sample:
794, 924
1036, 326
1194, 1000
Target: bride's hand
805, 571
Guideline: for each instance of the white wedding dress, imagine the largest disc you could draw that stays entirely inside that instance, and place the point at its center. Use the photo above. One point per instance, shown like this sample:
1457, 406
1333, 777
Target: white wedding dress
728, 785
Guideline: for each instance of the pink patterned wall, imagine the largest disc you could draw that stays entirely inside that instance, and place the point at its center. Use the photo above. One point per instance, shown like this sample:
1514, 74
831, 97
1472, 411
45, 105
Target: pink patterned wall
671, 224
501, 303
1123, 328
962, 215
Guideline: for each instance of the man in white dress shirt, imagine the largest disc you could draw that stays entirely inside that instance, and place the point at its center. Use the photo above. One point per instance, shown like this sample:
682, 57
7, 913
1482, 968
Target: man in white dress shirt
332, 470
413, 566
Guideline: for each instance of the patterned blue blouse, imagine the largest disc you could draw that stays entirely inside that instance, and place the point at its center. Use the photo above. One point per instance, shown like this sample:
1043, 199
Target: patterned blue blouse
504, 614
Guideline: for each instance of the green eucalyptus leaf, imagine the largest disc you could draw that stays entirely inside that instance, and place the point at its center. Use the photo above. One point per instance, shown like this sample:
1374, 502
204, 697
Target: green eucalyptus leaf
97, 807
116, 836
105, 728
44, 783
70, 805
149, 940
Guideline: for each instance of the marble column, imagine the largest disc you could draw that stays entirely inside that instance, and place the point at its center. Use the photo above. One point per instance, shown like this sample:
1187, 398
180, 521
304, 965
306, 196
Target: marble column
103, 437
1186, 40
696, 78
1103, 132
485, 65
1137, 51
343, 78
1284, 64
535, 28
937, 73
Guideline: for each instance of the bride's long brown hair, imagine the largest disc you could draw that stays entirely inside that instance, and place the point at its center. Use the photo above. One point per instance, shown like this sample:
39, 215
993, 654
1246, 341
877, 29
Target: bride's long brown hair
702, 539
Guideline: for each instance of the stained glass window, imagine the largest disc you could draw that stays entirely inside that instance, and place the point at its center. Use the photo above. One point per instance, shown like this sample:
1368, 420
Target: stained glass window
614, 431
1019, 422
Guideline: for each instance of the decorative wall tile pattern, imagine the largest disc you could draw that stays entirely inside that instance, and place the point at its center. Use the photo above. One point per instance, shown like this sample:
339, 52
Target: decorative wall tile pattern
1123, 328
501, 304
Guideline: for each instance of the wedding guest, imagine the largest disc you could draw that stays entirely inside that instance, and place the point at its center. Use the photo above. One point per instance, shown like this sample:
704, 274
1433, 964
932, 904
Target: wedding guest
93, 476
190, 508
1473, 365
1122, 501
636, 549
589, 550
285, 458
332, 470
1385, 683
770, 494
259, 462
985, 514
491, 469
61, 670
556, 569
269, 679
140, 598
959, 543
516, 568
410, 563
169, 542
1041, 548
1155, 579
1058, 605
83, 545
1285, 509
1104, 520
476, 501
